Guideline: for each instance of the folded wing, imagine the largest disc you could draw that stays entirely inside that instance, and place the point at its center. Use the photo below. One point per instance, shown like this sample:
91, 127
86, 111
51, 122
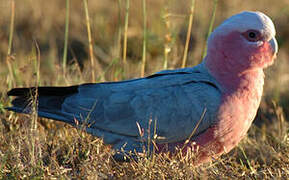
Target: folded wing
173, 100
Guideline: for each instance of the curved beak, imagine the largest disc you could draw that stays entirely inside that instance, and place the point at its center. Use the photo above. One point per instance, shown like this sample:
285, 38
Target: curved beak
274, 45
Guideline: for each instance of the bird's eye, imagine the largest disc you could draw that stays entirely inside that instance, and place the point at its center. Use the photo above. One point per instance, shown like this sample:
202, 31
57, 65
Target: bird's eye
252, 35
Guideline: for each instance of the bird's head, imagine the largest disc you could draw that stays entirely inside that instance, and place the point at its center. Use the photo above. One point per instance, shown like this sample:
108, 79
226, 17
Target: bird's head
243, 42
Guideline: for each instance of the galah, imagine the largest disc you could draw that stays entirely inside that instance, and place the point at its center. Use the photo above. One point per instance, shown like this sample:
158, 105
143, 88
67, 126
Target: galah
206, 109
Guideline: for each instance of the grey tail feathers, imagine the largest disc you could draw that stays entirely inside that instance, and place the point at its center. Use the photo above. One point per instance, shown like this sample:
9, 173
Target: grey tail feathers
49, 101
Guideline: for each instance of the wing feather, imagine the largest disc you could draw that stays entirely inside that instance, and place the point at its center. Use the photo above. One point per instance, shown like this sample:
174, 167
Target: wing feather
174, 99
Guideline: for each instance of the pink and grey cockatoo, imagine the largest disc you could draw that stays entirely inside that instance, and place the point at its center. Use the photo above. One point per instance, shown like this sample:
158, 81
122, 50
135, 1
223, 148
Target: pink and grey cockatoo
212, 104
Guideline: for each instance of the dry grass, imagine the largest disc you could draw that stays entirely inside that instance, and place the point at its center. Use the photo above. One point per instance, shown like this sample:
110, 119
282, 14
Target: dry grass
32, 147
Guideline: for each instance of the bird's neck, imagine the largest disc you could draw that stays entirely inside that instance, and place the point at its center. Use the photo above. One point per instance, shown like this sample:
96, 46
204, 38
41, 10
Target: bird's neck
233, 80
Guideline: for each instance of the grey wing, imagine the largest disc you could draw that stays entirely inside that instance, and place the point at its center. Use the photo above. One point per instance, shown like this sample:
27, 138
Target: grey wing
173, 102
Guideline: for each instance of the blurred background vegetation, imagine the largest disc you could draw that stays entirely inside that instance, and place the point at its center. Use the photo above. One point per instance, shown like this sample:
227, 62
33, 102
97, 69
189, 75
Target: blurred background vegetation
39, 37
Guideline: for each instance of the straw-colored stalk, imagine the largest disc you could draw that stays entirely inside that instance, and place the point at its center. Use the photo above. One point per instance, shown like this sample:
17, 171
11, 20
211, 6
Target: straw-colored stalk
184, 61
144, 39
